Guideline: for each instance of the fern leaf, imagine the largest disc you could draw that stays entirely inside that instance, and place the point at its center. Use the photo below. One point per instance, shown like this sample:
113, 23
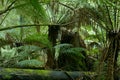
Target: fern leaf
30, 63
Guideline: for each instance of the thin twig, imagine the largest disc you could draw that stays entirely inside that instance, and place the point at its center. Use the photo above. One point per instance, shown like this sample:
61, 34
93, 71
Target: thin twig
8, 8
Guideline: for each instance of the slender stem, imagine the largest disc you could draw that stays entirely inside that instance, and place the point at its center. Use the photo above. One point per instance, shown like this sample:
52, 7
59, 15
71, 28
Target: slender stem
8, 8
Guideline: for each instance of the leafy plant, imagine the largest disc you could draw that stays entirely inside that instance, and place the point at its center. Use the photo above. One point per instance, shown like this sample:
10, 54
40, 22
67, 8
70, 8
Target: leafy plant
28, 52
8, 56
33, 63
38, 39
8, 53
67, 55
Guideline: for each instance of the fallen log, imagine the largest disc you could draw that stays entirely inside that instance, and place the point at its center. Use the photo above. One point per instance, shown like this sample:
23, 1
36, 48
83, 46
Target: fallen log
30, 74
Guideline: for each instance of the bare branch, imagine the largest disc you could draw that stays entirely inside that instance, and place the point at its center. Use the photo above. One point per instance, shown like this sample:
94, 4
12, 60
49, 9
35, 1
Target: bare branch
19, 26
34, 25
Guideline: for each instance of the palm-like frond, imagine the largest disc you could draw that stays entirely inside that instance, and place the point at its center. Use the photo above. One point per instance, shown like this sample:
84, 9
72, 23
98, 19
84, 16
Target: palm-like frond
32, 9
65, 45
39, 9
38, 39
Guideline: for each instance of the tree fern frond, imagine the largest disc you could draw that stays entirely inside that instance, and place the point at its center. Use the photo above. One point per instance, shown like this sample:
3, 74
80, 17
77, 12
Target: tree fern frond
58, 49
73, 52
28, 51
33, 63
38, 39
67, 49
39, 9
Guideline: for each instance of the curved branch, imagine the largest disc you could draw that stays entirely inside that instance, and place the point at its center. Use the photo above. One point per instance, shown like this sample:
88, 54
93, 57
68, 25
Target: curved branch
19, 26
34, 25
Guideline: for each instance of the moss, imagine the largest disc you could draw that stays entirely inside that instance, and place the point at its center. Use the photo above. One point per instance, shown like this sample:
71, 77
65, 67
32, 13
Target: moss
30, 74
6, 77
7, 73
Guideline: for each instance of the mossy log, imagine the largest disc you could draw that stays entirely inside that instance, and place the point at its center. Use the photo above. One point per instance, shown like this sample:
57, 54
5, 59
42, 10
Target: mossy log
30, 74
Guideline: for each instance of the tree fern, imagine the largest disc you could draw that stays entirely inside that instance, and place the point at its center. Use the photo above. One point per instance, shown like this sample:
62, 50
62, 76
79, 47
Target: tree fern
68, 49
33, 63
57, 49
38, 39
73, 56
32, 9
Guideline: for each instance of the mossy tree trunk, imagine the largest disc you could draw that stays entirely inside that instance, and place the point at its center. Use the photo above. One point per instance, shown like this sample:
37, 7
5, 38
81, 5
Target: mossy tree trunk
30, 74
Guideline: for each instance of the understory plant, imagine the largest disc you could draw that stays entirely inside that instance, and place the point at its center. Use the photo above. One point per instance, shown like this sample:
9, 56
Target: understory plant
69, 57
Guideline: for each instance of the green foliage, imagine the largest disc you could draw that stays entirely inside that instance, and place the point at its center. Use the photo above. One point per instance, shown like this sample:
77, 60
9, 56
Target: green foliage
38, 39
39, 9
58, 49
8, 53
33, 63
9, 57
7, 77
68, 50
69, 57
33, 9
3, 42
28, 51
99, 16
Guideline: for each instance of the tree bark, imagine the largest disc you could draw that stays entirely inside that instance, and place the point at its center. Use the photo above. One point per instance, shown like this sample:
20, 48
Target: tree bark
53, 31
111, 59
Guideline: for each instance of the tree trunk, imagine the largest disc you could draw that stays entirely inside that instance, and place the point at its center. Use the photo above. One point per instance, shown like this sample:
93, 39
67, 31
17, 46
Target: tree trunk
111, 59
53, 31
50, 59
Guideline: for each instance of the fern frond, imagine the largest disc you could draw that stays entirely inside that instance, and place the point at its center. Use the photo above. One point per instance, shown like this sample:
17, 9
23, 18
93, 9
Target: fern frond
39, 9
33, 63
8, 53
58, 49
73, 52
39, 40
26, 51
69, 50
